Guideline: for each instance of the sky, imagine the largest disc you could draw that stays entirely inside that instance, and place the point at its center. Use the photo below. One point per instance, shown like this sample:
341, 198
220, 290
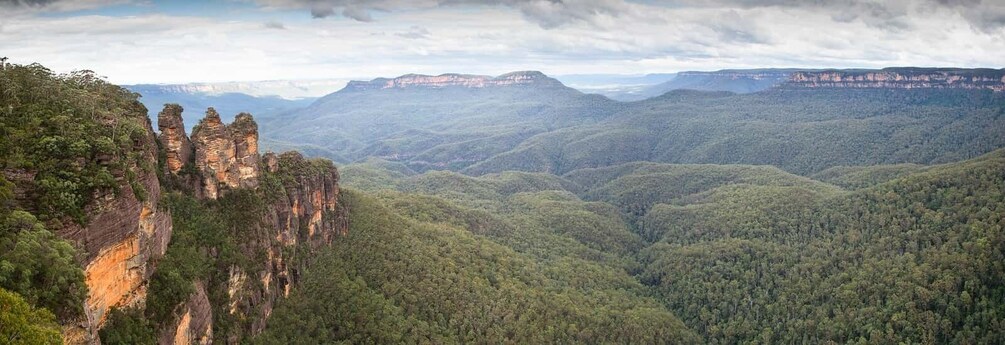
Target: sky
151, 41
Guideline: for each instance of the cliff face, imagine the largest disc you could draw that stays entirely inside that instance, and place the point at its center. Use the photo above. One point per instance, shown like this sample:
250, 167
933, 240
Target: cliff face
121, 243
302, 210
902, 78
453, 80
195, 325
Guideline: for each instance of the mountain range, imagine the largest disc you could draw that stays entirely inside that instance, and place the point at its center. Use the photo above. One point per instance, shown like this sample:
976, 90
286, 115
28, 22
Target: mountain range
459, 123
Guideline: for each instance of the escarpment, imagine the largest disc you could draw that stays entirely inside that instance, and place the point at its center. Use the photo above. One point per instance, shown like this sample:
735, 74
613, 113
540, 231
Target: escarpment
454, 80
901, 78
127, 233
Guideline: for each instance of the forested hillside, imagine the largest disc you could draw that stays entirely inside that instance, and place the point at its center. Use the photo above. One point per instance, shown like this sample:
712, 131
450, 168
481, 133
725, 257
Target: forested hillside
800, 131
741, 254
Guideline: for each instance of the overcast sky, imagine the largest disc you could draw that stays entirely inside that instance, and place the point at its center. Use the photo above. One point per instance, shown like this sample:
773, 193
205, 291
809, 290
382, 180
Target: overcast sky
150, 41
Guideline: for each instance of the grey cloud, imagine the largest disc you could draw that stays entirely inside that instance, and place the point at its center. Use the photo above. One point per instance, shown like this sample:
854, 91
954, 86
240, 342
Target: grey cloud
546, 13
357, 13
415, 32
274, 25
55, 5
984, 15
730, 26
320, 11
27, 3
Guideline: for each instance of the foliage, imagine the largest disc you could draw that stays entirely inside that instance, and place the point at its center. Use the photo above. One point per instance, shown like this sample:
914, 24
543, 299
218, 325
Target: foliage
206, 242
857, 177
72, 132
39, 265
20, 323
127, 327
396, 279
915, 260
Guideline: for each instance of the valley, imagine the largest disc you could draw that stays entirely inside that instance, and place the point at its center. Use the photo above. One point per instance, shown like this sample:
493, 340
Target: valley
513, 209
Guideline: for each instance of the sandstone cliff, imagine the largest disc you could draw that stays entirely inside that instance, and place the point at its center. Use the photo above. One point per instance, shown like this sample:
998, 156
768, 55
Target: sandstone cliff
902, 78
126, 234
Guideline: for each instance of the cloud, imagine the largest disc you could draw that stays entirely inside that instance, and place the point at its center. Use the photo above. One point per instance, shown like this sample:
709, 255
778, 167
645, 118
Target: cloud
546, 13
56, 5
984, 15
496, 36
415, 32
274, 25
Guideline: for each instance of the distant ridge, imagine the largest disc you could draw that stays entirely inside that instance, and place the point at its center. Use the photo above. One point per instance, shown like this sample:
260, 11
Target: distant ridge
454, 80
732, 80
901, 78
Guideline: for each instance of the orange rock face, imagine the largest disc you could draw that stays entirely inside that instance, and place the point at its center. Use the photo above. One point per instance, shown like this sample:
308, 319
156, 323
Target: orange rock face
195, 325
114, 278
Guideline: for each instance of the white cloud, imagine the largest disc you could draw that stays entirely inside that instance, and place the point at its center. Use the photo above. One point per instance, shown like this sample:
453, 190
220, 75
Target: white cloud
633, 39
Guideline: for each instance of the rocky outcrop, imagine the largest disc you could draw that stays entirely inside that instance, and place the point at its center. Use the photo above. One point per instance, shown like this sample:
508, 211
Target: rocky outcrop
303, 211
307, 214
454, 80
227, 156
902, 78
177, 147
126, 234
195, 325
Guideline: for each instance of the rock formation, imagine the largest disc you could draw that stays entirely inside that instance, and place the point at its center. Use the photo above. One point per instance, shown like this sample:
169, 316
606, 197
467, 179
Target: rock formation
902, 78
177, 147
305, 210
454, 80
227, 156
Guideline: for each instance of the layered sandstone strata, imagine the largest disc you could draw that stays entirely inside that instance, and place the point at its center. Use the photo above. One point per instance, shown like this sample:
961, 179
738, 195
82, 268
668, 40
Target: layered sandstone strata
125, 236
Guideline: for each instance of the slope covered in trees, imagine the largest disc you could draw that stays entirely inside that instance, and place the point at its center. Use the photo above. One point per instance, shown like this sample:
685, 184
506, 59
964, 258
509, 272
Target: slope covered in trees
418, 276
800, 131
918, 259
740, 254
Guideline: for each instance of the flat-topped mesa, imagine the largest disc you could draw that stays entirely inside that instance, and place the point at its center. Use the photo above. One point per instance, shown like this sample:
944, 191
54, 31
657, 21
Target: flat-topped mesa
902, 78
454, 80
227, 156
177, 147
